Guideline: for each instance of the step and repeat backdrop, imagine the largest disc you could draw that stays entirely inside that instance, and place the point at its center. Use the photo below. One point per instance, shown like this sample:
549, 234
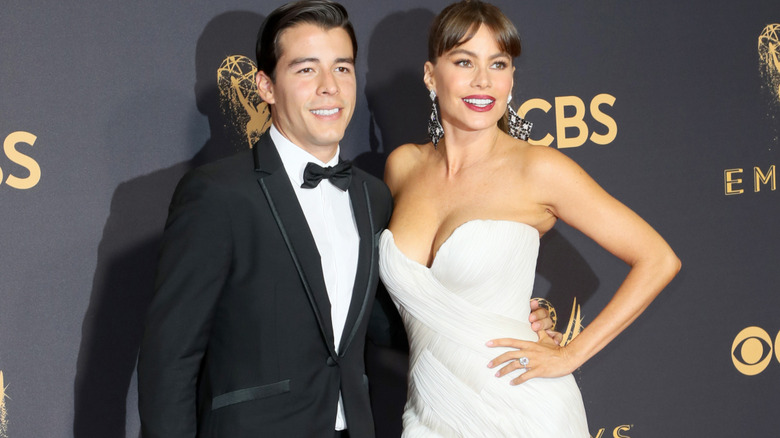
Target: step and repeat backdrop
673, 107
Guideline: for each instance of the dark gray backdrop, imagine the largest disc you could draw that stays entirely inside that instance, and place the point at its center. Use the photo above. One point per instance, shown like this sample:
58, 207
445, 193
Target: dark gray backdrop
122, 99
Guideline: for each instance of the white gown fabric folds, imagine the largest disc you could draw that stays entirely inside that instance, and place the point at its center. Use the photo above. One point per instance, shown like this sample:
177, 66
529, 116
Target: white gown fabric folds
478, 288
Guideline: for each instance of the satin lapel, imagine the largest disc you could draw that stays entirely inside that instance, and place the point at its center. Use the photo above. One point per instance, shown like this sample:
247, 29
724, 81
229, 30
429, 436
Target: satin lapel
361, 296
289, 216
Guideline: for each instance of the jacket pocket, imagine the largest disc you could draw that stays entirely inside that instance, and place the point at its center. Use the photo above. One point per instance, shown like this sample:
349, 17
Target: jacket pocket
248, 394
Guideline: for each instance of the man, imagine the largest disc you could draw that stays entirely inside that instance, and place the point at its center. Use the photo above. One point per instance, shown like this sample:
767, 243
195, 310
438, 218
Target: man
267, 273
264, 287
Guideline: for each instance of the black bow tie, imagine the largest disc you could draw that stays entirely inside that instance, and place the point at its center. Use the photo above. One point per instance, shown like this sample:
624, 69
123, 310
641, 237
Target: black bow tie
339, 175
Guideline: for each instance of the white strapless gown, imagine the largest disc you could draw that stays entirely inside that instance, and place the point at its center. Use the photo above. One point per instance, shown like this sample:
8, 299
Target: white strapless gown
478, 288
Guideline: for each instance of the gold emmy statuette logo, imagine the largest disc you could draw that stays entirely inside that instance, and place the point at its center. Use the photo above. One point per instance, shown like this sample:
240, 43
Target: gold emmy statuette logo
751, 350
573, 328
239, 99
550, 309
736, 181
769, 58
3, 412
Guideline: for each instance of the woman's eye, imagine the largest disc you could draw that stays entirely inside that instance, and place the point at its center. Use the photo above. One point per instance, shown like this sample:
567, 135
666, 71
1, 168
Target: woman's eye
463, 63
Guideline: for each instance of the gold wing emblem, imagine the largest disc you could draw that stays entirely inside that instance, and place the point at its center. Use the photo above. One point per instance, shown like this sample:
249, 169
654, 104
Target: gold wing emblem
574, 327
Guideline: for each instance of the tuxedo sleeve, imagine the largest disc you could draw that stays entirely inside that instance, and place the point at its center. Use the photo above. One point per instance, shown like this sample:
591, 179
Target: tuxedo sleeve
193, 267
385, 327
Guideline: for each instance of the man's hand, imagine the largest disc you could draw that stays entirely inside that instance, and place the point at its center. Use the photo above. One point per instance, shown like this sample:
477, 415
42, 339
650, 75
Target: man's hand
540, 320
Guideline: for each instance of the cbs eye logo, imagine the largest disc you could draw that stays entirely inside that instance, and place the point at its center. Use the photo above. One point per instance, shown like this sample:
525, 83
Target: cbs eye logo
751, 351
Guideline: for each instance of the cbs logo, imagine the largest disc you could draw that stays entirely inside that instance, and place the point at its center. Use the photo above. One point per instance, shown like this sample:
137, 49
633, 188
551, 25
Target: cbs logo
751, 351
576, 122
12, 153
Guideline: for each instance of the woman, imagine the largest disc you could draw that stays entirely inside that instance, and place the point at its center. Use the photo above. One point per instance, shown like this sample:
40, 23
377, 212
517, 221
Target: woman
460, 251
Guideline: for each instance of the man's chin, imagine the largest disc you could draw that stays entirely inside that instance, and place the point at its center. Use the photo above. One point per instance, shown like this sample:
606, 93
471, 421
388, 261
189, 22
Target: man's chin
328, 139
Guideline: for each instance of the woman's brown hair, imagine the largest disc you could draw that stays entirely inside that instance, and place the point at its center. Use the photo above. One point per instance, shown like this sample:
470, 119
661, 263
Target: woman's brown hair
460, 21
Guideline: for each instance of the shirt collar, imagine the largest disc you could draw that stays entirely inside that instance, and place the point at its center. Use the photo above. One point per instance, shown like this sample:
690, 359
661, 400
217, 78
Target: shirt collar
294, 158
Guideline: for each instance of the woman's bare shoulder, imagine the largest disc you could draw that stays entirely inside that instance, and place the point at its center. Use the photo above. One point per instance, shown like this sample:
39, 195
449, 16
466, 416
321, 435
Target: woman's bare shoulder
401, 162
408, 151
544, 160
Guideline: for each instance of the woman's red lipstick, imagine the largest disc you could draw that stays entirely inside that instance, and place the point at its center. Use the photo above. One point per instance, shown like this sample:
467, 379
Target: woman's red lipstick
479, 103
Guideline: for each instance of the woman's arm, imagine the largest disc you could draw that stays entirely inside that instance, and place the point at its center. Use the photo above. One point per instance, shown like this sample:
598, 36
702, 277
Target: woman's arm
573, 196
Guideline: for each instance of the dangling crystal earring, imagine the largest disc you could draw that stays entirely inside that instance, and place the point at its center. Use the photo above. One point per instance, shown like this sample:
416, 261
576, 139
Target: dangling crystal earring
435, 130
518, 127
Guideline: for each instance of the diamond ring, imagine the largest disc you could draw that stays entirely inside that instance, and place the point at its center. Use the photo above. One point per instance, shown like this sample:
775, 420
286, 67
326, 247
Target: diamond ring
523, 361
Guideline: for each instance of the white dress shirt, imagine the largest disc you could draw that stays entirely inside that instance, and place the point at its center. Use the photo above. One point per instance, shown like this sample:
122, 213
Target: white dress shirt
328, 212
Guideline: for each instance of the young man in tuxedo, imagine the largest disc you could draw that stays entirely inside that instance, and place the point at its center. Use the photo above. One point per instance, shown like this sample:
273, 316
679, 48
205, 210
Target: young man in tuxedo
268, 267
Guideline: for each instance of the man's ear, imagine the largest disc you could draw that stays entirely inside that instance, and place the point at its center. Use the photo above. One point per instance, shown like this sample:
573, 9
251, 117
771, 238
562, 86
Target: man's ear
265, 87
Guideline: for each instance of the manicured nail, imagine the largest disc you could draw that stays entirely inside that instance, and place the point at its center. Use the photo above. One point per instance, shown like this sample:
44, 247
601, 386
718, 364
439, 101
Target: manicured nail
490, 364
498, 374
489, 343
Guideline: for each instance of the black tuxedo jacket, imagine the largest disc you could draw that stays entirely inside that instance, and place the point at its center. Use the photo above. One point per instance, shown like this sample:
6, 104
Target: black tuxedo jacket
239, 339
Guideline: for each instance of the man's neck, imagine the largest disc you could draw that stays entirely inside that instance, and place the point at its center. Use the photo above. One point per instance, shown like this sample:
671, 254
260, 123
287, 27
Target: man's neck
322, 153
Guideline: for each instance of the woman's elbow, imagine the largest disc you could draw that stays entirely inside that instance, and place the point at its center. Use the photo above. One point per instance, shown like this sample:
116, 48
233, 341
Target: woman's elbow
670, 264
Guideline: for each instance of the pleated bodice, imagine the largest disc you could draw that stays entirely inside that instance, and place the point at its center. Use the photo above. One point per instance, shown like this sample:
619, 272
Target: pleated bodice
478, 288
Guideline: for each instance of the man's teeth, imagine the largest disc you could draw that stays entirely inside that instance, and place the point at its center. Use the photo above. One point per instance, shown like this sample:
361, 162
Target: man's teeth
479, 102
325, 112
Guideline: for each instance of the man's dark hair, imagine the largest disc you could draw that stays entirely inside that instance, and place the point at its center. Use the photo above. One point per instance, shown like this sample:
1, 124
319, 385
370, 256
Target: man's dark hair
322, 13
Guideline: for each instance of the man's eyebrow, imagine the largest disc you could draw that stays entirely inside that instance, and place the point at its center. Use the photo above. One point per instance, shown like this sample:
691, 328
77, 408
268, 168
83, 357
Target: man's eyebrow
297, 61
350, 60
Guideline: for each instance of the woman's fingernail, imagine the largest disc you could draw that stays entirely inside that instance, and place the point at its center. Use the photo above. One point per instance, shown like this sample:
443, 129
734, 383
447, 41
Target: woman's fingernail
489, 343
490, 364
